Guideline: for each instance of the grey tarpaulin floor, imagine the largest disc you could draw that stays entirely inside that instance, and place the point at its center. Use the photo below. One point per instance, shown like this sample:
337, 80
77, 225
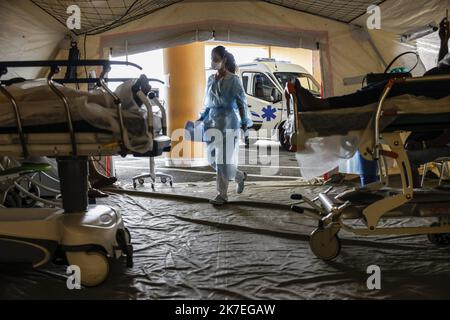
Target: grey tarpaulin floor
186, 250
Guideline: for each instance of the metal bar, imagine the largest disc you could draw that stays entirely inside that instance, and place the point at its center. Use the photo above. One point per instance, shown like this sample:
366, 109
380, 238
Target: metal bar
384, 174
439, 77
149, 107
97, 80
63, 98
163, 113
65, 63
386, 91
18, 121
384, 95
312, 204
81, 80
395, 230
327, 203
117, 102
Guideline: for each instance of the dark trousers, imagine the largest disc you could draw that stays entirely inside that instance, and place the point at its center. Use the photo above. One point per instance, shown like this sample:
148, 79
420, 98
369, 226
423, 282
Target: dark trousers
372, 94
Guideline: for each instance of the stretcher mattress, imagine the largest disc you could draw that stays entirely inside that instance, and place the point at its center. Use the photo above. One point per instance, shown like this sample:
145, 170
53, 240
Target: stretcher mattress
42, 111
54, 140
415, 113
79, 127
326, 138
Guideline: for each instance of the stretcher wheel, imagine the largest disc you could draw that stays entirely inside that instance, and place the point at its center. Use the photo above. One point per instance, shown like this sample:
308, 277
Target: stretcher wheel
439, 239
171, 183
323, 246
127, 232
141, 181
13, 199
94, 266
134, 184
123, 238
164, 180
28, 202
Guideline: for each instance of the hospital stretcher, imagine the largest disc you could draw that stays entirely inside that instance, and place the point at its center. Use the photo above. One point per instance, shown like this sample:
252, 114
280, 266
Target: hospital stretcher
69, 138
378, 201
87, 236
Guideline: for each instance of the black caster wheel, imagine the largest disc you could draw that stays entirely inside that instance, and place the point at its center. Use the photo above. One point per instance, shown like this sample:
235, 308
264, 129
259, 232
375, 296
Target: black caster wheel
171, 183
124, 241
12, 200
439, 239
127, 232
141, 181
153, 186
28, 202
134, 184
323, 246
164, 180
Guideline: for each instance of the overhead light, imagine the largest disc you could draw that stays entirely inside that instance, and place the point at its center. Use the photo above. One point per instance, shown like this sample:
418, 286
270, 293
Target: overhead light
419, 33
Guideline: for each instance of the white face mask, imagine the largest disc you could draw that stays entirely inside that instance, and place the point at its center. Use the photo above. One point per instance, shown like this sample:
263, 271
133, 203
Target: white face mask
216, 65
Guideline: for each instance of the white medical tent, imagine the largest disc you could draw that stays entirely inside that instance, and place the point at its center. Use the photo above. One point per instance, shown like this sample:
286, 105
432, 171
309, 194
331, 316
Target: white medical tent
36, 29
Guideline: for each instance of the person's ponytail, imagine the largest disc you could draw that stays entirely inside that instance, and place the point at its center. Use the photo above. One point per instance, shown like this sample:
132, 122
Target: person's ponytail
230, 65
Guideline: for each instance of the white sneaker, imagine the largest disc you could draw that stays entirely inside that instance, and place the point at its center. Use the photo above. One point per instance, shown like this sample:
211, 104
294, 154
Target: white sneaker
218, 200
241, 184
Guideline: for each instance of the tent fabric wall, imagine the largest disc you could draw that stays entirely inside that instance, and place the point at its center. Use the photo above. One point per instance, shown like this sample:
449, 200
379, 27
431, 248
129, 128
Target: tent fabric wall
399, 16
27, 33
391, 46
342, 55
218, 30
147, 41
260, 23
428, 48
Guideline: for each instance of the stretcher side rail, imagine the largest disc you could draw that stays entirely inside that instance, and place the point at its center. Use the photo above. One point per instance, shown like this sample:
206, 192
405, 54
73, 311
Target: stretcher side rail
332, 211
96, 80
379, 113
64, 63
75, 80
396, 142
54, 69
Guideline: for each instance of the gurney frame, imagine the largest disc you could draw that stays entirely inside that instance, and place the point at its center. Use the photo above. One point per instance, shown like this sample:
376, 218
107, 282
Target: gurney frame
331, 212
55, 66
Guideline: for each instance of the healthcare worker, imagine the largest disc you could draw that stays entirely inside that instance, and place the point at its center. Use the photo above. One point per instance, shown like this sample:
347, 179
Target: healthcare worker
225, 114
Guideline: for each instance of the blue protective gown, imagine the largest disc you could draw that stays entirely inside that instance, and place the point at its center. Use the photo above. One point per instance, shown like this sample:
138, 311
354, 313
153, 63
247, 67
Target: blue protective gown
223, 99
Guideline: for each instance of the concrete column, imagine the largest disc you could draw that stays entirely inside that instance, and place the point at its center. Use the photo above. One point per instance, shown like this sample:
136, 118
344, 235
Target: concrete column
184, 67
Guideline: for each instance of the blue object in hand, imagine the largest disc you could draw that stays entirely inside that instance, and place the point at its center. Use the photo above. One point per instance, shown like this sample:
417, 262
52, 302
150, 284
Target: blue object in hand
195, 131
